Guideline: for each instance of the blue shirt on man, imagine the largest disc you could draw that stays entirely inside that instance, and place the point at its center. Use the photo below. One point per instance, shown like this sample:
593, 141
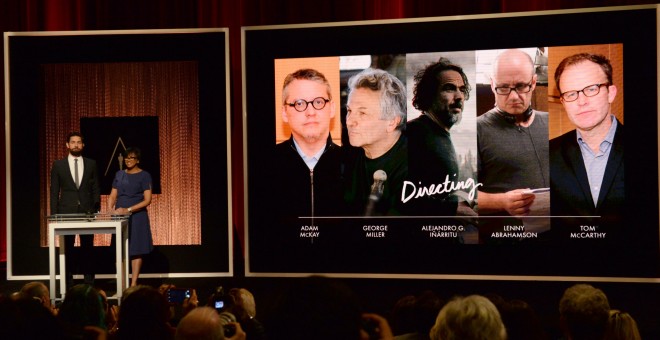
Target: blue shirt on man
595, 163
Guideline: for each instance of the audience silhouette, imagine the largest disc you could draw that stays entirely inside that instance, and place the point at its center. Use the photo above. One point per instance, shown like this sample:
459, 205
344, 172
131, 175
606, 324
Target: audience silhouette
314, 307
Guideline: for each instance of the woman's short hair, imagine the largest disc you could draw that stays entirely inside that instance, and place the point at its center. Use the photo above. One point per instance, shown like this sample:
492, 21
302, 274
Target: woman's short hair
133, 150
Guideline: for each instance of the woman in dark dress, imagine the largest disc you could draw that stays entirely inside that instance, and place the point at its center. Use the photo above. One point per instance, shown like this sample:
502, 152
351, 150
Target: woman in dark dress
131, 194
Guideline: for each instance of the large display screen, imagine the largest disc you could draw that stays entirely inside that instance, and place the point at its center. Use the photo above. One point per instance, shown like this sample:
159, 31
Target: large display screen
513, 169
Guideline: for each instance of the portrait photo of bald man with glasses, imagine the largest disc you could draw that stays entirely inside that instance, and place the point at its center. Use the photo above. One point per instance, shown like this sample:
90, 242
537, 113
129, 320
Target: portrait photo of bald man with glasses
512, 138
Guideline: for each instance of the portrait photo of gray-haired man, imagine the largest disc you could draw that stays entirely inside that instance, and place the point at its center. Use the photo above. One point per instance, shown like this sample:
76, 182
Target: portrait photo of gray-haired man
376, 119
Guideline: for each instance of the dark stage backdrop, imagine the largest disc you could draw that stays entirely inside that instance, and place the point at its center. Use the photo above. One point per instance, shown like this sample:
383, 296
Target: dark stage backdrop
107, 138
175, 79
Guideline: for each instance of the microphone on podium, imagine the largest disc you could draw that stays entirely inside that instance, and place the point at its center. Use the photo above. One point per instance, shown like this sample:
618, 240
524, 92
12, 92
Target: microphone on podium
376, 191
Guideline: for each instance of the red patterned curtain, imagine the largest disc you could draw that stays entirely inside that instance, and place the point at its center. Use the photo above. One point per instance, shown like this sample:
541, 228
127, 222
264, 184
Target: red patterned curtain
168, 90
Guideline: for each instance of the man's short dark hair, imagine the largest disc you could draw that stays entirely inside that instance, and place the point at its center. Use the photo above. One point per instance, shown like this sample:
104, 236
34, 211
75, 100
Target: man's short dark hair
601, 60
74, 134
427, 83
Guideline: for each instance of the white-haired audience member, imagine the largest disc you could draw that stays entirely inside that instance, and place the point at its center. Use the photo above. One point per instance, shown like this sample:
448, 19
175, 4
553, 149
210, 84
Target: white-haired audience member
468, 318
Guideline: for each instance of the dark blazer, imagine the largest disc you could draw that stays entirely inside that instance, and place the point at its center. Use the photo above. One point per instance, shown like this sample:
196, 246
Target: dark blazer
570, 194
65, 198
305, 193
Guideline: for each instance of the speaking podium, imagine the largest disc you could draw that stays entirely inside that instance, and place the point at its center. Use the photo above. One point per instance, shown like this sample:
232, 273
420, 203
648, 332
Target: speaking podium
60, 225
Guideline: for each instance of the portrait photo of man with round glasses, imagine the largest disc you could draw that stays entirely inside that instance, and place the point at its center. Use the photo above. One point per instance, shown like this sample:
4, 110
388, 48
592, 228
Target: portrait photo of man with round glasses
586, 163
306, 163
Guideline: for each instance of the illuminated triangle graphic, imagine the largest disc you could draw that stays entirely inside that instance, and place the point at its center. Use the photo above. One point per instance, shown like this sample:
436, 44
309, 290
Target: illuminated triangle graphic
120, 158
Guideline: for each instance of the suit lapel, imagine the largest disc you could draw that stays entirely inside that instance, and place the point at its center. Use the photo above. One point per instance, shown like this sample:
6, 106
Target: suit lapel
83, 179
67, 170
614, 163
85, 173
575, 161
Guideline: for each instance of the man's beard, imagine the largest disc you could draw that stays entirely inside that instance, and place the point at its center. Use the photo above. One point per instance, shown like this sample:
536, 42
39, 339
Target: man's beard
450, 119
76, 153
447, 118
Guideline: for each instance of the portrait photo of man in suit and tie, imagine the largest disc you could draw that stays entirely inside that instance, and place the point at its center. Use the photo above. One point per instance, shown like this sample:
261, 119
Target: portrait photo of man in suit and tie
586, 163
74, 188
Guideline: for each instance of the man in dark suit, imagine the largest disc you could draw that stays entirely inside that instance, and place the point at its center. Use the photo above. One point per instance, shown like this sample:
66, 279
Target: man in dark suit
74, 188
586, 164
